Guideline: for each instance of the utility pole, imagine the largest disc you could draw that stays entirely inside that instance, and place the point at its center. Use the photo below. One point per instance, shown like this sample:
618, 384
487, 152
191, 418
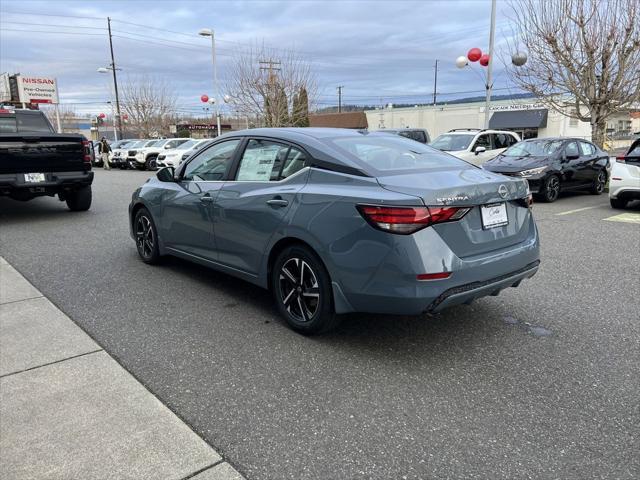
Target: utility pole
115, 80
489, 85
271, 67
435, 84
340, 98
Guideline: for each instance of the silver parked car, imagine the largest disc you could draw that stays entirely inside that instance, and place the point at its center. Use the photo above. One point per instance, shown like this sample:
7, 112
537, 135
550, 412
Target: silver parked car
335, 221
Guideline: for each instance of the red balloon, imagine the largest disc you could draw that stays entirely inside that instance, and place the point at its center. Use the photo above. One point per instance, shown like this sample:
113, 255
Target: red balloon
474, 54
484, 60
204, 98
102, 115
125, 116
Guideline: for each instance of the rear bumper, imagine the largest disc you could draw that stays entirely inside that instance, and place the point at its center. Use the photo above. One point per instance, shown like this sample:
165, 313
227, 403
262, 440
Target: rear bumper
55, 182
469, 292
393, 288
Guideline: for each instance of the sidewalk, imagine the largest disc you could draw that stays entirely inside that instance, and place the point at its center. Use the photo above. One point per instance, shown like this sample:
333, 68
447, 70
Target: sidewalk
70, 411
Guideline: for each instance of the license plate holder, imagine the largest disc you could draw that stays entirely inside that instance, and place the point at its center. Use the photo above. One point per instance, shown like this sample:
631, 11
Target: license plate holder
494, 215
34, 177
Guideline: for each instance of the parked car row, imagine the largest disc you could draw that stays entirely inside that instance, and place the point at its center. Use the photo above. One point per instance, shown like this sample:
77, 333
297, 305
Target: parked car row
149, 154
550, 165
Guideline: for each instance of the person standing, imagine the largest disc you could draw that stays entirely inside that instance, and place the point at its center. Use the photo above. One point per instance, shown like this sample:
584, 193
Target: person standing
105, 149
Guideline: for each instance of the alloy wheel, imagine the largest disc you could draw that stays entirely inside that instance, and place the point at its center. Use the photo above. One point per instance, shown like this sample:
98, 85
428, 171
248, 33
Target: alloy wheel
299, 289
144, 236
553, 188
600, 182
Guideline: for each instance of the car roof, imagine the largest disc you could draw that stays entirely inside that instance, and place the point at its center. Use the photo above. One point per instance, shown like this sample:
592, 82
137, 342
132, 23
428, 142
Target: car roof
313, 139
554, 139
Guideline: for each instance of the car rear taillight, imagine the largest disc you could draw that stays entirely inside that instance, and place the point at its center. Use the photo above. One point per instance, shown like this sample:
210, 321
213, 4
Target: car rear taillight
620, 159
408, 220
433, 276
87, 152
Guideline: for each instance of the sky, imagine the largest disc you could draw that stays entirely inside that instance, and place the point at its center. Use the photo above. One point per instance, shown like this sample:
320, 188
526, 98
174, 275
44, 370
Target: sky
381, 51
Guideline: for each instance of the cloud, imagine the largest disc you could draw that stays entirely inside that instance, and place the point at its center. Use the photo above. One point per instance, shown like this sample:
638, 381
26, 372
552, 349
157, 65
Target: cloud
381, 51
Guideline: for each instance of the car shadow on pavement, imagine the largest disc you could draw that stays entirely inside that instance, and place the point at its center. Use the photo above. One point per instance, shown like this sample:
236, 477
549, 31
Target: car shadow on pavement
44, 208
460, 326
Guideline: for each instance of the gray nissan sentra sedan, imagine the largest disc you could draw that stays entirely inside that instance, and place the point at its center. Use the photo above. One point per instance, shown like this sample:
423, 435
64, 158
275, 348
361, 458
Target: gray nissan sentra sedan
335, 221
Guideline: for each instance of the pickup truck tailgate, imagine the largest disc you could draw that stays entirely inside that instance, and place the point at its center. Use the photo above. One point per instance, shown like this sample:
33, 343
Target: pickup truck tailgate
41, 153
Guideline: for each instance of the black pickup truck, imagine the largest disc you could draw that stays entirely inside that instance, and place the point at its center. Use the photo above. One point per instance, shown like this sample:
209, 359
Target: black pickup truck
35, 161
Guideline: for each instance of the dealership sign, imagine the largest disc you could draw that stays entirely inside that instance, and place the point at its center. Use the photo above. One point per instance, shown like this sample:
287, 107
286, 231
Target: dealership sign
37, 89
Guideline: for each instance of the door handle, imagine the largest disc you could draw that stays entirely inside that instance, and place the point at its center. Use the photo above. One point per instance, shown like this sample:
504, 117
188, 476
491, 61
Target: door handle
277, 202
206, 199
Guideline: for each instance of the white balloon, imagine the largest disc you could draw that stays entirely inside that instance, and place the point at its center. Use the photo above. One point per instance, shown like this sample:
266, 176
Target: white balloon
519, 59
462, 61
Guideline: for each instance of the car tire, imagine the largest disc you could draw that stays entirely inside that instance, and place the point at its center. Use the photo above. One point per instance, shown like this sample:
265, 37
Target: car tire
301, 287
599, 183
618, 202
146, 237
151, 164
79, 200
550, 189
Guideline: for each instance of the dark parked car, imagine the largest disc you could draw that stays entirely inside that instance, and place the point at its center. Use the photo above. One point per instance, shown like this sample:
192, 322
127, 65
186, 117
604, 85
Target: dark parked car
417, 134
35, 161
335, 221
552, 165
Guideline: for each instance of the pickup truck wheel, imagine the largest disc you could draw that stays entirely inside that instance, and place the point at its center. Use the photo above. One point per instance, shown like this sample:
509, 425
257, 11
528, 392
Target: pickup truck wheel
151, 164
146, 237
79, 200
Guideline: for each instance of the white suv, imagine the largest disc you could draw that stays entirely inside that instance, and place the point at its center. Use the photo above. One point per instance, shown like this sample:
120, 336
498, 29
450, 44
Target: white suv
624, 183
145, 158
173, 158
474, 145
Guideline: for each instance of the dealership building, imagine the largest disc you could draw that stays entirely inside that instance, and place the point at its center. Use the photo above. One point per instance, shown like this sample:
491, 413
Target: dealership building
528, 117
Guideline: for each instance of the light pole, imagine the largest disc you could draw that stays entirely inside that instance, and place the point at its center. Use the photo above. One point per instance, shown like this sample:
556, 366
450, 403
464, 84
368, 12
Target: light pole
117, 132
492, 33
208, 32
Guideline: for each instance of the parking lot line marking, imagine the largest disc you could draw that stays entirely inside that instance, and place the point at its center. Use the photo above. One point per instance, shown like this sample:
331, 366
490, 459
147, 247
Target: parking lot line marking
579, 210
625, 217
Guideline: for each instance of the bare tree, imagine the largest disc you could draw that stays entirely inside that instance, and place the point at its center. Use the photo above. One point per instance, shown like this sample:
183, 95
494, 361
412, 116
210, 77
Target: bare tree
585, 50
67, 114
262, 84
150, 104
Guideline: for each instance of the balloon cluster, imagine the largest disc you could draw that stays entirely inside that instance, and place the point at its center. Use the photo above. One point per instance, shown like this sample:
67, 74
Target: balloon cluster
473, 55
476, 55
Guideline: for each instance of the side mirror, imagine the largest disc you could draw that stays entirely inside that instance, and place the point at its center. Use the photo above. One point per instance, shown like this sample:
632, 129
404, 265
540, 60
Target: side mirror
166, 147
573, 156
480, 150
166, 174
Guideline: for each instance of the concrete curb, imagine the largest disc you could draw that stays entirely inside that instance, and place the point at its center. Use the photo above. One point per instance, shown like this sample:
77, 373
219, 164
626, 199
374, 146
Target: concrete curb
71, 411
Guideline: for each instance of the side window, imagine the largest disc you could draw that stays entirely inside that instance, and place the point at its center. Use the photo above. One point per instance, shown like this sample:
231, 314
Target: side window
418, 136
512, 140
587, 149
571, 149
262, 161
295, 161
483, 141
211, 164
500, 140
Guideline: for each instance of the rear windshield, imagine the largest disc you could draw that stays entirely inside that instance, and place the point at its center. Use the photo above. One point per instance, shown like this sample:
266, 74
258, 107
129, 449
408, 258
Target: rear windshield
393, 154
635, 149
533, 148
25, 122
452, 143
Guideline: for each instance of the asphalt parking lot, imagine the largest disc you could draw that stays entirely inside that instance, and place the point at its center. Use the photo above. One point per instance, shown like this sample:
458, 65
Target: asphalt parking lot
539, 382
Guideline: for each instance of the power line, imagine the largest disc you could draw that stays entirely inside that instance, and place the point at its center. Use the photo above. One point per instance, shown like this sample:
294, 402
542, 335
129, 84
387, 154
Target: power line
51, 25
39, 14
48, 31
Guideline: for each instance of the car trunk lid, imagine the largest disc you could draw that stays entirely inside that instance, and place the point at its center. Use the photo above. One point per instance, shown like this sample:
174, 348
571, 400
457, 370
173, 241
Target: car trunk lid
475, 188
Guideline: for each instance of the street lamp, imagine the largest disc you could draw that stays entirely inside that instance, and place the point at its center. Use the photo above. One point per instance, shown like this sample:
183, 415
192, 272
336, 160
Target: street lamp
117, 131
208, 32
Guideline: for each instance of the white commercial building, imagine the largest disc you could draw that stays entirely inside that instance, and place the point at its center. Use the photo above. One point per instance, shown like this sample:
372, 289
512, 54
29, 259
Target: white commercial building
527, 117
